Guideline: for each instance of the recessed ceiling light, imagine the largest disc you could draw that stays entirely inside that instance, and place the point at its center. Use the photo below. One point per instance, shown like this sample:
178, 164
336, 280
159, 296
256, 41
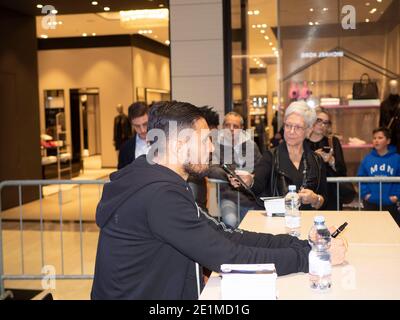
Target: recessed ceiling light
44, 36
259, 26
271, 44
54, 11
84, 34
264, 25
379, 0
367, 4
372, 10
311, 23
39, 6
261, 65
311, 9
262, 31
316, 23
106, 8
250, 13
256, 12
93, 34
367, 20
273, 48
254, 59
94, 3
266, 37
167, 42
325, 9
161, 5
60, 22
253, 26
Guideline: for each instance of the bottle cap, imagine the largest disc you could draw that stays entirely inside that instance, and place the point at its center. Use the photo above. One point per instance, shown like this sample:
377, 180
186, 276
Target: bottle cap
292, 187
319, 219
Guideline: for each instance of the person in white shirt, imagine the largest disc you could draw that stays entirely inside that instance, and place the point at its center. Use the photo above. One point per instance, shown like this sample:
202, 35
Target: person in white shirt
137, 145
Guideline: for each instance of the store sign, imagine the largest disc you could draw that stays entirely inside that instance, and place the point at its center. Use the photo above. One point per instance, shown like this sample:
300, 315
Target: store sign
322, 54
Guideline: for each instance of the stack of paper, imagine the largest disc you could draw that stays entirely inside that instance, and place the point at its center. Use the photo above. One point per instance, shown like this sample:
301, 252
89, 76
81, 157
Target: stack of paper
274, 206
248, 281
329, 102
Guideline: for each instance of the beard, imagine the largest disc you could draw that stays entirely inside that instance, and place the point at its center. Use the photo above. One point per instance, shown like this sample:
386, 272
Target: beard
198, 171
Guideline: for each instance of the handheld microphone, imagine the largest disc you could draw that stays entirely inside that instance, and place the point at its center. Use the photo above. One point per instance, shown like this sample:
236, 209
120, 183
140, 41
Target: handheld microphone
242, 183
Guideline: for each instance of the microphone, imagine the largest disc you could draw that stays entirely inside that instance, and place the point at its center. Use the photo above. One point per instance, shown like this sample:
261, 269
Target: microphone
242, 183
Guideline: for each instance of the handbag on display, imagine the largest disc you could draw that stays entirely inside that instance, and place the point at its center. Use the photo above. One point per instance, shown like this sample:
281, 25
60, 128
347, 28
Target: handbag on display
347, 193
365, 88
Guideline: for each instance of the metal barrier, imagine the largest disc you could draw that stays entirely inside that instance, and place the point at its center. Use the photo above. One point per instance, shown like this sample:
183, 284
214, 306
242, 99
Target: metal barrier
82, 275
40, 183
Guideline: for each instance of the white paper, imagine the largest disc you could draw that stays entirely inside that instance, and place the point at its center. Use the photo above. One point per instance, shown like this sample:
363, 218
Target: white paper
274, 206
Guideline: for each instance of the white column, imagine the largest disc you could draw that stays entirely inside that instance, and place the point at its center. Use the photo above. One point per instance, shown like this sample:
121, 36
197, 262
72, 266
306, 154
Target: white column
197, 68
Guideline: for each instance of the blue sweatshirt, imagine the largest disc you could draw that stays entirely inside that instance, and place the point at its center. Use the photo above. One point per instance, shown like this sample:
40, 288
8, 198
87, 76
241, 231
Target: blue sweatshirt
374, 165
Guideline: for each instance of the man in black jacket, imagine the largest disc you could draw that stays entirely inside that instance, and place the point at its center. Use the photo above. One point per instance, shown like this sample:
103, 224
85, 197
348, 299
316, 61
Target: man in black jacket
137, 144
153, 235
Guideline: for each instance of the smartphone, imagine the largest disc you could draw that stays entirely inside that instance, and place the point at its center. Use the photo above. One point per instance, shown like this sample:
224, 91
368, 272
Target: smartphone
326, 149
233, 174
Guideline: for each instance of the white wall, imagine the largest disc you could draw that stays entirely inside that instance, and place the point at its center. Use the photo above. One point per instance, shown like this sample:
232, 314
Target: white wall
197, 68
109, 70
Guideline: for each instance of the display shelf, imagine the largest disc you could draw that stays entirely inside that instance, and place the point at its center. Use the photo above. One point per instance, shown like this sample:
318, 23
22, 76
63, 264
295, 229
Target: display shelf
353, 146
345, 106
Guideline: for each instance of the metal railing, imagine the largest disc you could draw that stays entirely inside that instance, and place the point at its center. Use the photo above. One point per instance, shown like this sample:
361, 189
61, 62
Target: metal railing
41, 183
79, 183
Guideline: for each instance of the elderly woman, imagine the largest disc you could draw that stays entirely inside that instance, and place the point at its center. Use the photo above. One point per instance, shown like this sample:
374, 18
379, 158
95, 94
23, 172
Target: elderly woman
329, 148
292, 163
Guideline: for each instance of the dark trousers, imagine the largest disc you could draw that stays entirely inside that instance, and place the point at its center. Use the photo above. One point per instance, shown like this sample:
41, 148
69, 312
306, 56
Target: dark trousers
394, 210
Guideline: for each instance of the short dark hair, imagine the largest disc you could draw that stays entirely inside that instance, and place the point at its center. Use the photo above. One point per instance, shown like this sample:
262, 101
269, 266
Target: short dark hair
384, 130
161, 113
211, 117
137, 109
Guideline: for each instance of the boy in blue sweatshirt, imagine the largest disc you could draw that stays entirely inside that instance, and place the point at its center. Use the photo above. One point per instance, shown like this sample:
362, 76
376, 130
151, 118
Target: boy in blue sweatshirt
381, 161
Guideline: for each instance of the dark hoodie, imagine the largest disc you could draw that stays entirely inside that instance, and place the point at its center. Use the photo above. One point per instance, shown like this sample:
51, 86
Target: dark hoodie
152, 233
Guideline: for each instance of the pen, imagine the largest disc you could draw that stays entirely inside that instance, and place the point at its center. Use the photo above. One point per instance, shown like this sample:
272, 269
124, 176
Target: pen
339, 230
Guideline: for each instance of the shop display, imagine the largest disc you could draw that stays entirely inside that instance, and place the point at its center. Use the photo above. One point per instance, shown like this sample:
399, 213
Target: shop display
365, 88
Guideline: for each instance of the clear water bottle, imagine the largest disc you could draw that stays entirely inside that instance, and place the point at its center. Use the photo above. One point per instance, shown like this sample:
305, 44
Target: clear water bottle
319, 259
292, 212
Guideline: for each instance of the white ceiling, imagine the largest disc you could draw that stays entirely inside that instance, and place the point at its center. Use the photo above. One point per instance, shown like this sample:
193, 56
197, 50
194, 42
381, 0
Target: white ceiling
75, 25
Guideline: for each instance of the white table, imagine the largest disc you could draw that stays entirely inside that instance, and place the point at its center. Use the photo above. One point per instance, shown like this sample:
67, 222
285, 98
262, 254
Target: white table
372, 268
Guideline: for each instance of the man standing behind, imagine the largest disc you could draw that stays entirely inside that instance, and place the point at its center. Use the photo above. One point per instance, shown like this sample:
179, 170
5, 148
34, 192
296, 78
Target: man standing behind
137, 145
122, 128
153, 236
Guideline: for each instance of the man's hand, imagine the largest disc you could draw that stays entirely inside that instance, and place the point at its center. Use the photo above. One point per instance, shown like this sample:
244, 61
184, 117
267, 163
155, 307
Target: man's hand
246, 177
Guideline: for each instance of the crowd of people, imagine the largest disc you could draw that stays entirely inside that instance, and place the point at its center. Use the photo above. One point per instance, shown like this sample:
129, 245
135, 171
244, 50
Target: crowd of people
154, 209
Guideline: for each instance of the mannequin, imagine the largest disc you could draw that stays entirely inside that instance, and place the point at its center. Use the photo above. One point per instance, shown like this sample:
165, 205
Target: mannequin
390, 113
122, 127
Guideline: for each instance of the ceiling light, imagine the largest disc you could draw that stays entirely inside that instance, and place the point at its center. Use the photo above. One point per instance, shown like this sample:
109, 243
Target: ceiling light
253, 26
60, 22
256, 12
311, 23
367, 4
325, 9
262, 31
271, 44
311, 9
316, 23
250, 13
106, 8
261, 65
44, 36
259, 26
266, 37
264, 25
379, 0
94, 3
93, 34
367, 20
84, 34
132, 15
167, 42
161, 5
39, 6
273, 48
54, 11
254, 59
257, 62
373, 10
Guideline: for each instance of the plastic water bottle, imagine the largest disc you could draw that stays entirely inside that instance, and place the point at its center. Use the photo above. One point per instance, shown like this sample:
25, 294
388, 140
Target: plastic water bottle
292, 213
319, 259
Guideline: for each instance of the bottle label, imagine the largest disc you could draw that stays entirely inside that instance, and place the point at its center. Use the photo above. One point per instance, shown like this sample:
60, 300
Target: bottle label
292, 221
319, 264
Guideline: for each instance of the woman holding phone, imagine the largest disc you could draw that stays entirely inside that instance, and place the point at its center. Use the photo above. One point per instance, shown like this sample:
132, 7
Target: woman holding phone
329, 148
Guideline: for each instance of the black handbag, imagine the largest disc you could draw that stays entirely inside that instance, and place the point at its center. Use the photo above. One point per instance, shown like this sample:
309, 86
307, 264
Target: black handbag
365, 89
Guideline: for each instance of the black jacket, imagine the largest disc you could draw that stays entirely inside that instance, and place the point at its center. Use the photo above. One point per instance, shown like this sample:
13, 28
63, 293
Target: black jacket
127, 152
275, 172
152, 233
